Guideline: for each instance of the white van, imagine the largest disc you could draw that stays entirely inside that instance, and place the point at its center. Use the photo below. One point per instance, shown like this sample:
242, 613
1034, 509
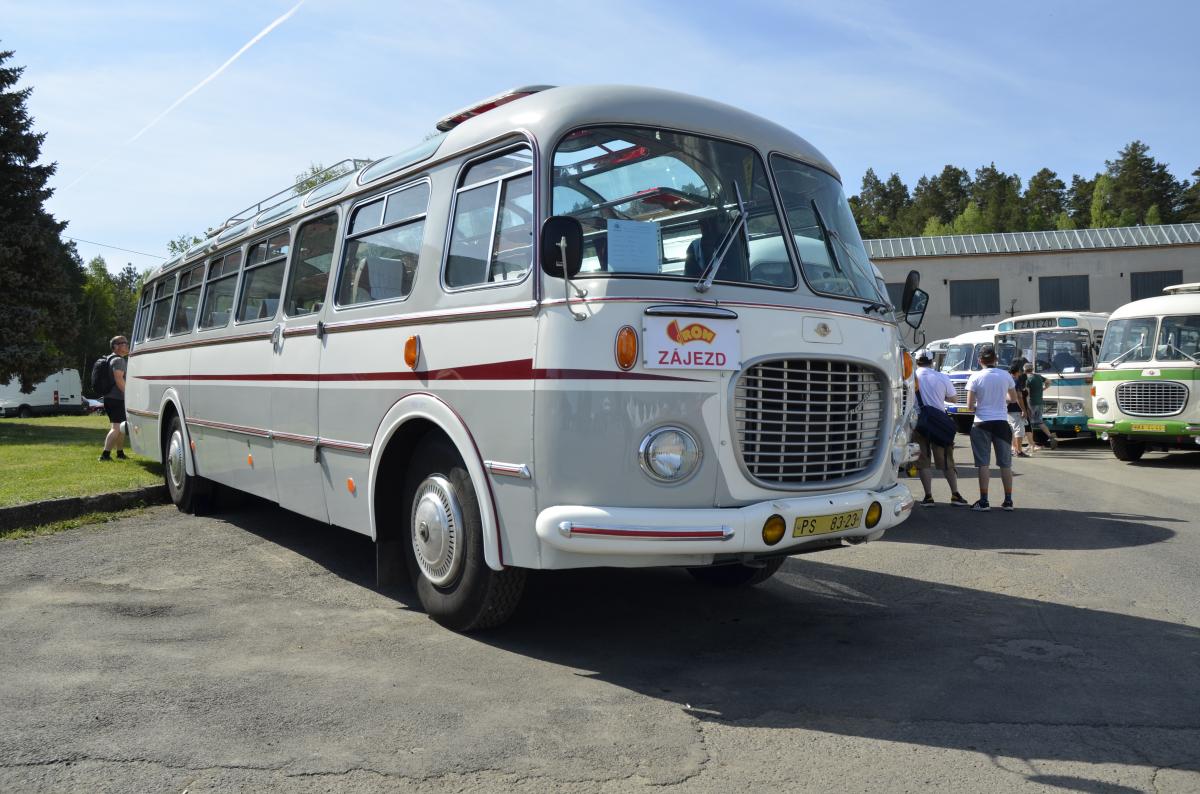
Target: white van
58, 394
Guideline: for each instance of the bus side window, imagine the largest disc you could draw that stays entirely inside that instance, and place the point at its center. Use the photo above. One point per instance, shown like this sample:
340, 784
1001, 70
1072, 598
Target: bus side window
164, 293
486, 248
381, 263
264, 279
312, 257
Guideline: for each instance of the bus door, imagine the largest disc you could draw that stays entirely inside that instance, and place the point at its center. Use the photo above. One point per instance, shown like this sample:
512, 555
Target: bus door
296, 345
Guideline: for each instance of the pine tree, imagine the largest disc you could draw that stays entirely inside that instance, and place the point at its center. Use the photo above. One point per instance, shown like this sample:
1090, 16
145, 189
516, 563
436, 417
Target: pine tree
1190, 199
1140, 182
42, 275
1044, 200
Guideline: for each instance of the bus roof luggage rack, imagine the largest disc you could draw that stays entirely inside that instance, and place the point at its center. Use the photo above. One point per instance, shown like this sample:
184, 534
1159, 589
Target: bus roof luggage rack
491, 103
1179, 289
347, 166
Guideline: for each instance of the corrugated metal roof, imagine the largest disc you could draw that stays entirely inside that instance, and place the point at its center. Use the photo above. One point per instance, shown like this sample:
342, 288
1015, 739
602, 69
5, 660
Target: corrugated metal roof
1027, 242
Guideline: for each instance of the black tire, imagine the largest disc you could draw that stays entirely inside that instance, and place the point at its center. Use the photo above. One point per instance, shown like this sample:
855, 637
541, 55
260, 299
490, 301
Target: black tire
444, 530
24, 412
191, 494
736, 574
1127, 450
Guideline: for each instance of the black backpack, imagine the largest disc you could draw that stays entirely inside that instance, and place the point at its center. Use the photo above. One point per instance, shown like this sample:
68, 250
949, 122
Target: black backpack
102, 377
935, 424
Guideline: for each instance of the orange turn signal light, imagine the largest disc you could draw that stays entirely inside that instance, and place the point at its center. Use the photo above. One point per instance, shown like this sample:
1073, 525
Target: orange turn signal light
412, 351
774, 530
249, 460
1093, 391
350, 486
908, 365
626, 347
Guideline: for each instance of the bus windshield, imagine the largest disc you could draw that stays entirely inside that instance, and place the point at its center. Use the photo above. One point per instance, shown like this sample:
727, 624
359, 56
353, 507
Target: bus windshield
1063, 351
1010, 347
1179, 338
1128, 340
961, 357
664, 204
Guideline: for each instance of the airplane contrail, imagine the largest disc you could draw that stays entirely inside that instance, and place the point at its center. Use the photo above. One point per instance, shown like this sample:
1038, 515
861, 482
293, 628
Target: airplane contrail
194, 89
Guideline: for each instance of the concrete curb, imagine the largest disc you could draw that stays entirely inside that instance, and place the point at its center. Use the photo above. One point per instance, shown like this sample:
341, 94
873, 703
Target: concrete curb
38, 513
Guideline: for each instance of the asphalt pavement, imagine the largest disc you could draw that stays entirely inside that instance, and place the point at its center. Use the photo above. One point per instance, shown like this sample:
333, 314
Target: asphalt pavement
1055, 648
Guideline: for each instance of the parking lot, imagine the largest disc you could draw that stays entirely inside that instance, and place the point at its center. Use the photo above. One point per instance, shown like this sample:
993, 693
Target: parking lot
1053, 648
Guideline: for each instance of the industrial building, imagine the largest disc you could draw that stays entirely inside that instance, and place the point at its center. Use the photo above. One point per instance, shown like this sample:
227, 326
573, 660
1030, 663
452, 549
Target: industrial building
974, 279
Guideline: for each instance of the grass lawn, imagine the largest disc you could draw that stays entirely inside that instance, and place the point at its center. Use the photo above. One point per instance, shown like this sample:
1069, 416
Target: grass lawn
54, 456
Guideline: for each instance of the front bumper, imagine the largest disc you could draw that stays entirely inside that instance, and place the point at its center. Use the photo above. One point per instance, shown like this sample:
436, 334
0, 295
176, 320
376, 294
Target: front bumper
1164, 428
1066, 424
577, 536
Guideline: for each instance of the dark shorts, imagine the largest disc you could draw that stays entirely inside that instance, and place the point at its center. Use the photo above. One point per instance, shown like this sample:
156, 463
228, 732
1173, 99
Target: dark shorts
114, 409
986, 436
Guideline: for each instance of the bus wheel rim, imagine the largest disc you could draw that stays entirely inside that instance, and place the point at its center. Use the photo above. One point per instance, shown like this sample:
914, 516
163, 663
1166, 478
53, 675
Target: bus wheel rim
437, 530
175, 461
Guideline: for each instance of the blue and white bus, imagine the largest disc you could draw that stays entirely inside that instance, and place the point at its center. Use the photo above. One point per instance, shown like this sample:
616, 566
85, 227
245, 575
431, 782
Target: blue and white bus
961, 359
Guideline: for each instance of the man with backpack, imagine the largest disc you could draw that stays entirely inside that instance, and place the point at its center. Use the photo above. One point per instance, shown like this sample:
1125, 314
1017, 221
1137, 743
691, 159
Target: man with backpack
935, 389
108, 383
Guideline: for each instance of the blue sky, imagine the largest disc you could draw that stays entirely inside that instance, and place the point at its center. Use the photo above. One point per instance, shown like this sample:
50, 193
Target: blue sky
897, 87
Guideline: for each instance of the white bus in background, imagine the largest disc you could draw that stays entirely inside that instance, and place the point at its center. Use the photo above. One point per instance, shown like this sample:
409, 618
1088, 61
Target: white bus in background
937, 351
61, 393
1062, 347
1147, 383
960, 360
589, 326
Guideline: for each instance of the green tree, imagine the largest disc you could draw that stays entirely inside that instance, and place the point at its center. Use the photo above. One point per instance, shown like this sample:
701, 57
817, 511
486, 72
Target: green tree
879, 205
182, 243
970, 221
936, 228
1079, 201
41, 274
1063, 222
1044, 200
998, 198
942, 197
1140, 182
318, 174
1104, 210
1190, 199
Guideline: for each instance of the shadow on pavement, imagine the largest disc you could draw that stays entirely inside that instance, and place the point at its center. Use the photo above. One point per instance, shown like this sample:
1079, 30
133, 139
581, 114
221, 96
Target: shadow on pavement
830, 648
1028, 528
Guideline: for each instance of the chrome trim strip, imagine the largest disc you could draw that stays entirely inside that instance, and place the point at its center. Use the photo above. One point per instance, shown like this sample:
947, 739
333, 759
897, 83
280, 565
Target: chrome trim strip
295, 439
345, 446
518, 470
1103, 425
302, 330
521, 309
256, 432
222, 340
690, 310
146, 414
570, 529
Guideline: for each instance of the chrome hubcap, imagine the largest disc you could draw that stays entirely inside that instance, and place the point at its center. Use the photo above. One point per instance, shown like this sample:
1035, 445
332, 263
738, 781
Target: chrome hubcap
175, 468
437, 530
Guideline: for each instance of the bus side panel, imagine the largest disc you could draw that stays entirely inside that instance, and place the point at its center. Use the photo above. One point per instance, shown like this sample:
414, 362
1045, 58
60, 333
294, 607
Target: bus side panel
148, 377
482, 369
229, 419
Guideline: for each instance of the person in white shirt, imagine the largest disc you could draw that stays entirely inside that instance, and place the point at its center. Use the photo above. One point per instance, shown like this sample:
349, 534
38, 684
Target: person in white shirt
988, 393
936, 389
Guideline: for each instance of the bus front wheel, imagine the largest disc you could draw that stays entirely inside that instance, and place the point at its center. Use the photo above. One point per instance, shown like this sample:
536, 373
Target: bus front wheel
444, 552
1127, 450
191, 494
736, 574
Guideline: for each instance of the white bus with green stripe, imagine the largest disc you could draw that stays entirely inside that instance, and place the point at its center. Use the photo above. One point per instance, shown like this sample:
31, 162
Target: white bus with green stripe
1146, 394
1062, 346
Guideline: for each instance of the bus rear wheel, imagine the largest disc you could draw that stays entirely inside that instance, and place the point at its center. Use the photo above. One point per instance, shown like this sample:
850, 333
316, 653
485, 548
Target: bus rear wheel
736, 574
1127, 450
444, 548
191, 494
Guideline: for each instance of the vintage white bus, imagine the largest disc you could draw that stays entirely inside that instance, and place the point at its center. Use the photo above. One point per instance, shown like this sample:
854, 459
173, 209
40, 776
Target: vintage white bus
959, 361
1062, 347
1146, 394
587, 326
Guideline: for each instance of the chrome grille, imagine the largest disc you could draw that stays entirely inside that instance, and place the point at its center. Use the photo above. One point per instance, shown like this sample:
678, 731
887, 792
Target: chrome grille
1151, 397
801, 421
1049, 407
960, 388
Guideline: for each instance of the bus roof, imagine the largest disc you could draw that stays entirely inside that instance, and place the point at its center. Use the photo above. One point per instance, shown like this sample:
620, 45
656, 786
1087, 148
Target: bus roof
973, 337
1063, 319
548, 113
1174, 302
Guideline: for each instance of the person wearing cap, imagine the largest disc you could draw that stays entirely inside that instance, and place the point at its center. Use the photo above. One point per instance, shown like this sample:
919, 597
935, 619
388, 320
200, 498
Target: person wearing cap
988, 393
936, 389
1036, 386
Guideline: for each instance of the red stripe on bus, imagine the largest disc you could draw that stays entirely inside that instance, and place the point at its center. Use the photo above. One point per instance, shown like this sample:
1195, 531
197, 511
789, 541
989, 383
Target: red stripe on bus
504, 370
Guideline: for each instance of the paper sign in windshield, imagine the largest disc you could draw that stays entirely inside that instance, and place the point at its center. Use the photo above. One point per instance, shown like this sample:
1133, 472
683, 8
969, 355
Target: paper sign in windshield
691, 343
633, 246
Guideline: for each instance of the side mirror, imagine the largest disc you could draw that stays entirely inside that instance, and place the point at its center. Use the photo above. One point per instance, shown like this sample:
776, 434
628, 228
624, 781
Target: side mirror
910, 289
554, 231
915, 313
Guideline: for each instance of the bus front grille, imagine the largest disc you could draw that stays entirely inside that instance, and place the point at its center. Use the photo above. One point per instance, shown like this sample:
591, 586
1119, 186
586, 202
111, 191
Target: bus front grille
1151, 397
960, 388
805, 421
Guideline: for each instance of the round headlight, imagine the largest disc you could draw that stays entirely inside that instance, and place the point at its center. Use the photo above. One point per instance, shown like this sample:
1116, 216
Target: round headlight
669, 454
1101, 405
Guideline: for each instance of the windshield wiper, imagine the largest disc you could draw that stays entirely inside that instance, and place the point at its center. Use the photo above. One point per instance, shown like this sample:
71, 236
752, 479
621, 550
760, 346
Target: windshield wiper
710, 270
1131, 350
1193, 359
881, 305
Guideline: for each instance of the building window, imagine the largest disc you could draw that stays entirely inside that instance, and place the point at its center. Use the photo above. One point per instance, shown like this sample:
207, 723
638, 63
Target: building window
975, 297
1064, 294
1150, 283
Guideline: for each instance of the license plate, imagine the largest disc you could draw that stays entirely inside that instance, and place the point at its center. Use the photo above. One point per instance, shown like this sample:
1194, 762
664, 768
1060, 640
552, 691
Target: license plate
819, 525
1148, 428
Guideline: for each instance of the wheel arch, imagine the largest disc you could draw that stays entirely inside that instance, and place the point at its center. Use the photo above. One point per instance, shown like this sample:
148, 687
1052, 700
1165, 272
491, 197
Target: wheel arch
409, 419
170, 406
